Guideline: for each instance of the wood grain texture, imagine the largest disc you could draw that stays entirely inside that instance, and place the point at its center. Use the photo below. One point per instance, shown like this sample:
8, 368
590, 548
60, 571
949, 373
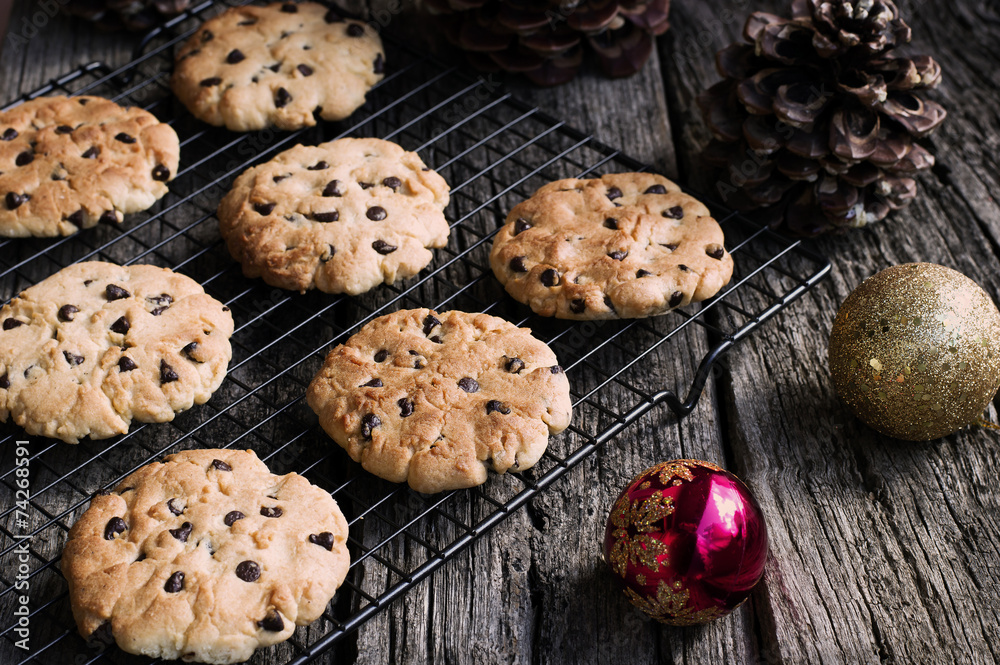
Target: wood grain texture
881, 551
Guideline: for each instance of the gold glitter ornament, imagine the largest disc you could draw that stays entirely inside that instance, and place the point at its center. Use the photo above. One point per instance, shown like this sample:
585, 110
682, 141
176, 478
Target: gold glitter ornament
915, 351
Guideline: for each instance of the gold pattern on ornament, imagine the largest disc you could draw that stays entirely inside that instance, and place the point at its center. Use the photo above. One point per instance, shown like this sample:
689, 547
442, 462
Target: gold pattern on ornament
670, 605
641, 515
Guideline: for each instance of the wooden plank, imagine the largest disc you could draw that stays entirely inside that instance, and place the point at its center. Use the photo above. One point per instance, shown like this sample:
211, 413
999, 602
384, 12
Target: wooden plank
880, 550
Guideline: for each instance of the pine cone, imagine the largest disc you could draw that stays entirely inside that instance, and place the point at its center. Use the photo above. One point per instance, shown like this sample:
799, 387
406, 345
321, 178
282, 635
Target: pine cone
817, 117
128, 14
544, 39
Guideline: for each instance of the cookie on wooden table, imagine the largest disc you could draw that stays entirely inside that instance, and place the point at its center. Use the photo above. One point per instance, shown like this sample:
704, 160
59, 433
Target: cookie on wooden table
67, 163
628, 245
97, 345
437, 399
278, 65
205, 557
341, 217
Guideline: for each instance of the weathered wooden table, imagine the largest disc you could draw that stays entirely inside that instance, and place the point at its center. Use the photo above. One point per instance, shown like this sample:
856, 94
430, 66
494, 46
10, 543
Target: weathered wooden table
881, 551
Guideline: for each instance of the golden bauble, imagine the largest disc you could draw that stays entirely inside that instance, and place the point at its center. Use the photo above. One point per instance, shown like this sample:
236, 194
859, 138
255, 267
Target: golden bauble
915, 351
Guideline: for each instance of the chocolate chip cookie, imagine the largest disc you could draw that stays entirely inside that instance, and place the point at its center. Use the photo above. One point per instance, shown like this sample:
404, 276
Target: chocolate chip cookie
96, 345
205, 557
628, 245
67, 163
437, 399
341, 217
281, 65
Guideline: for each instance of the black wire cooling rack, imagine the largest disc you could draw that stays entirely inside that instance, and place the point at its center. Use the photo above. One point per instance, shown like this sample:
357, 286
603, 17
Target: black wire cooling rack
495, 151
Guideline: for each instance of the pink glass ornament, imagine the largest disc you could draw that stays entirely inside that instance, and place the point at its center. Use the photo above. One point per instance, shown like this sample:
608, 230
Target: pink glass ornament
688, 542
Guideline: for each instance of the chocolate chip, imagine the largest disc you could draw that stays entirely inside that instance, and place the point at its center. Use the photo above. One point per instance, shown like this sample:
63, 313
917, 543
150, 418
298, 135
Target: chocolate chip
161, 173
430, 323
235, 56
324, 540
64, 129
392, 182
275, 67
374, 383
642, 273
326, 217
207, 36
108, 217
126, 364
382, 247
268, 511
318, 166
611, 223
232, 517
188, 350
379, 66
175, 582
66, 312
670, 246
405, 407
332, 17
209, 82
124, 138
121, 326
249, 21
14, 201
281, 98
264, 209
182, 532
514, 365
91, 153
77, 217
683, 268
167, 373
369, 422
614, 193
607, 303
355, 30
517, 264
656, 189
248, 571
115, 526
220, 465
305, 70
83, 102
436, 339
578, 305
521, 225
381, 355
468, 384
174, 509
675, 298
556, 369
72, 359
332, 189
272, 622
10, 134
715, 251
549, 277
496, 405
162, 299
289, 8
11, 323
618, 254
279, 178
676, 212
418, 364
376, 213
26, 157
159, 310
4, 381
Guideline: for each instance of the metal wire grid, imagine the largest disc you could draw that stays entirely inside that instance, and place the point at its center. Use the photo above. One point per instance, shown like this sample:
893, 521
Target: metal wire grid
495, 151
